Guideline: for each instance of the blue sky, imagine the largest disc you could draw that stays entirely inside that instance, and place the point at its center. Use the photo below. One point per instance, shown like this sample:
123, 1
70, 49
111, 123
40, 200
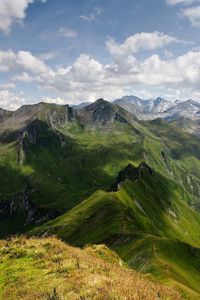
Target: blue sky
68, 51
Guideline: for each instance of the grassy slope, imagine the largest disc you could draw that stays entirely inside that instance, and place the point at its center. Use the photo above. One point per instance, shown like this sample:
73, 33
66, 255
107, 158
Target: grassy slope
146, 222
90, 160
63, 176
49, 269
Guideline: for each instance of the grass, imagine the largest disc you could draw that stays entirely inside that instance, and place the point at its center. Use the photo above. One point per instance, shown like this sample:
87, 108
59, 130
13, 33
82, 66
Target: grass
71, 168
49, 269
148, 222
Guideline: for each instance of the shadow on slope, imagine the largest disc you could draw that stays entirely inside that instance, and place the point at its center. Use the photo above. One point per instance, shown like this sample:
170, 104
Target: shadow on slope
145, 220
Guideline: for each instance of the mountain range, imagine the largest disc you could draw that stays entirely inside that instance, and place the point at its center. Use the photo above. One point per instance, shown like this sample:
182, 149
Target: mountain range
186, 114
108, 173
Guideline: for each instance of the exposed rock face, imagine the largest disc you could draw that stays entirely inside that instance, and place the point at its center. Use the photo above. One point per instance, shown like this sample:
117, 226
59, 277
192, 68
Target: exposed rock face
20, 204
131, 173
144, 109
29, 118
4, 114
19, 201
102, 112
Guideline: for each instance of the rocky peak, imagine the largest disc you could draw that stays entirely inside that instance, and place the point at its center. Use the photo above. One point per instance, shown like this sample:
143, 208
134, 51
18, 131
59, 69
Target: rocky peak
99, 113
132, 173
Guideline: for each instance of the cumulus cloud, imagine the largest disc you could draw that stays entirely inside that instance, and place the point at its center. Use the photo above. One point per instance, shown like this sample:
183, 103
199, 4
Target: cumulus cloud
24, 77
12, 11
7, 86
138, 42
22, 60
47, 56
11, 101
57, 100
175, 2
88, 78
192, 14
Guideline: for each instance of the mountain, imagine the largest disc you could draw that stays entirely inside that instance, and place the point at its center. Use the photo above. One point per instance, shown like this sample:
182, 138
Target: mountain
53, 157
189, 109
81, 105
102, 112
144, 109
99, 174
146, 219
187, 112
4, 114
154, 108
49, 269
190, 125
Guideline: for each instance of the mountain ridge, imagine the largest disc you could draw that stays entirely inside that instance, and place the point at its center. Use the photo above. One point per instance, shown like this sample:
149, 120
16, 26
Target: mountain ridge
100, 175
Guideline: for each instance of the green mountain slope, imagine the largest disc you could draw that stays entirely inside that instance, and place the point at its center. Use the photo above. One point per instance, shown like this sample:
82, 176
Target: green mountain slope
49, 269
147, 221
53, 157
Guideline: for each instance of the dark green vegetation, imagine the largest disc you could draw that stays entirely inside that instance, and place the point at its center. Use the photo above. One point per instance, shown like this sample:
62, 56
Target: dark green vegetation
52, 158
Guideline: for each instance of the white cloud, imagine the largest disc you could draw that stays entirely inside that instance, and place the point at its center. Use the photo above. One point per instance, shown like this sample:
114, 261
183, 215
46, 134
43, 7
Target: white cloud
192, 14
12, 11
47, 56
7, 86
10, 100
138, 42
6, 60
88, 79
24, 77
57, 100
97, 11
28, 62
175, 2
68, 32
22, 60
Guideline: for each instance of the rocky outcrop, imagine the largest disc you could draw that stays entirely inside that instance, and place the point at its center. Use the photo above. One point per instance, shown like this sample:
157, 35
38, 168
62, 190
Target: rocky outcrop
103, 112
131, 173
4, 114
20, 204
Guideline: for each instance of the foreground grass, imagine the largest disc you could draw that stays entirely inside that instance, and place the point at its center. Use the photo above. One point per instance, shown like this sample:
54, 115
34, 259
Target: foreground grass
49, 269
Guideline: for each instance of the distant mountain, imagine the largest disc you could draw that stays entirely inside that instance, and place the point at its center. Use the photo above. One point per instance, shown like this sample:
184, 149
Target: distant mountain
189, 109
185, 114
144, 109
81, 105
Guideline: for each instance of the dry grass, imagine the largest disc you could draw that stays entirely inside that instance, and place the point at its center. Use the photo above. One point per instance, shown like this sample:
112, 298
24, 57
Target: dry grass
49, 269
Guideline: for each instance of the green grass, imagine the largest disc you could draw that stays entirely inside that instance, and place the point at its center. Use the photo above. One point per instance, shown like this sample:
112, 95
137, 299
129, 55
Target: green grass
145, 222
67, 164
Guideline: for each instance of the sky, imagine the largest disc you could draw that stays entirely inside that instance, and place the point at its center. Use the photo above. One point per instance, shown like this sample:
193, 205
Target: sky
72, 51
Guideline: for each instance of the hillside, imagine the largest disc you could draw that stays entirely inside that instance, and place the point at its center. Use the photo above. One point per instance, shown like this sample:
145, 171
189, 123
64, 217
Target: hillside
146, 219
49, 269
100, 175
55, 158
